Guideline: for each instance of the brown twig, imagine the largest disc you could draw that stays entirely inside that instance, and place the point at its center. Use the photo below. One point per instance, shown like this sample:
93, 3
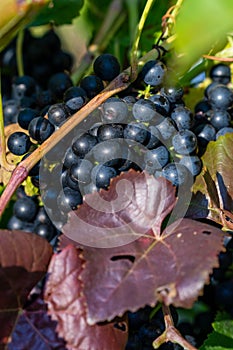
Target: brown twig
171, 333
216, 58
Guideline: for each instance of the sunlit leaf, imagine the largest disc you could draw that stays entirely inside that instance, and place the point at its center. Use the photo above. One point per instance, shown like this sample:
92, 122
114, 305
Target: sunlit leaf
200, 27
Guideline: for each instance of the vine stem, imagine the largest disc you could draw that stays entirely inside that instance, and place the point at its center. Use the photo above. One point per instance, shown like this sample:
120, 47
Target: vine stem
171, 333
19, 52
134, 51
120, 83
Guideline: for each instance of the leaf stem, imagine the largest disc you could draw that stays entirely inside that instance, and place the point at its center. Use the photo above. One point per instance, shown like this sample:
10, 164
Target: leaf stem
121, 82
171, 333
19, 52
134, 51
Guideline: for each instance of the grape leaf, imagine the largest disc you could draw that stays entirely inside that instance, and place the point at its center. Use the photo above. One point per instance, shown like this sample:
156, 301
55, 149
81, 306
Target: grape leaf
215, 181
34, 322
135, 203
221, 338
171, 268
58, 12
198, 30
24, 258
67, 305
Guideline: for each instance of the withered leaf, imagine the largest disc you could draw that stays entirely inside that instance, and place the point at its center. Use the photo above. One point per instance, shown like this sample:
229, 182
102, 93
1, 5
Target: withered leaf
135, 203
35, 330
24, 258
67, 305
172, 268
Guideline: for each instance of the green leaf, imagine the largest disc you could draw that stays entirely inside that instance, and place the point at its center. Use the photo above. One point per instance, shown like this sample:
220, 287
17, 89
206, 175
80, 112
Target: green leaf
60, 12
200, 27
222, 336
15, 15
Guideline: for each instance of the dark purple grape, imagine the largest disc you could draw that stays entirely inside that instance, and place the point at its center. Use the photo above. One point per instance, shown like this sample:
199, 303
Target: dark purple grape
183, 117
156, 159
153, 73
110, 131
184, 142
23, 86
220, 97
10, 111
220, 73
106, 67
173, 93
25, 209
74, 91
70, 158
161, 103
114, 110
69, 199
101, 175
92, 85
45, 230
58, 84
40, 129
192, 163
219, 118
144, 111
81, 171
136, 132
25, 116
176, 173
110, 152
58, 114
19, 143
84, 144
224, 131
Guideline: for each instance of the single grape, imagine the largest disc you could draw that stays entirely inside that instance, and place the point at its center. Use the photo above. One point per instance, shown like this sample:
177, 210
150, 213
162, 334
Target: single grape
25, 209
58, 83
153, 73
101, 175
172, 92
144, 111
156, 159
58, 114
192, 163
106, 67
220, 73
161, 103
92, 85
220, 97
110, 131
184, 142
114, 110
84, 144
69, 199
176, 173
136, 132
81, 171
45, 230
25, 116
40, 129
183, 117
224, 131
19, 143
219, 118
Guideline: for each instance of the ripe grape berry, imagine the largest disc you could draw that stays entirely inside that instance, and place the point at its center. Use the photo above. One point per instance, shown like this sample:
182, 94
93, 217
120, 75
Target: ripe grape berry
19, 143
106, 67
